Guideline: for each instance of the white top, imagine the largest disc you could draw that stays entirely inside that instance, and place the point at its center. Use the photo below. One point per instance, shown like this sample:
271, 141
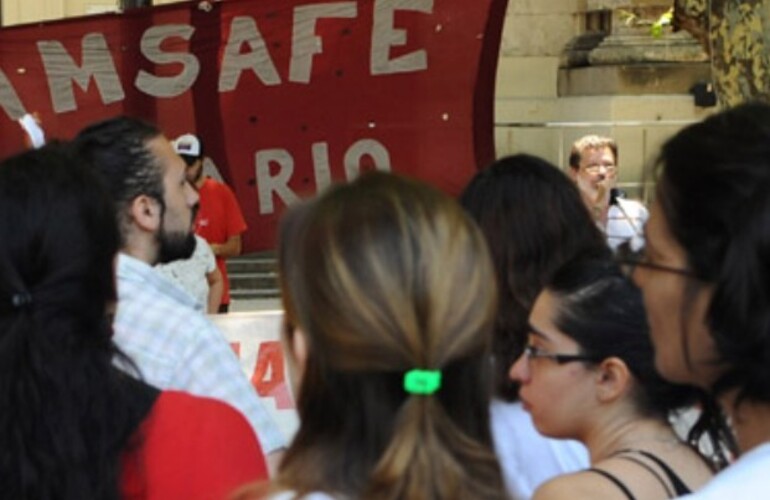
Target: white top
178, 348
625, 221
529, 459
748, 478
190, 274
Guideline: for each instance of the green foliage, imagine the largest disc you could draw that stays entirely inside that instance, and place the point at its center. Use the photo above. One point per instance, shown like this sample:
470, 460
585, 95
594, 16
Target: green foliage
656, 30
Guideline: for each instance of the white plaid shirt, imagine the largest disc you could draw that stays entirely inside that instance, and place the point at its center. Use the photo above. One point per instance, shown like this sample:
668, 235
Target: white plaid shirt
177, 347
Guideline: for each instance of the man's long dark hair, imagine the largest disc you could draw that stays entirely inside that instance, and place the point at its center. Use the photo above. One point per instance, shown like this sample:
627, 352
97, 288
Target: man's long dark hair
117, 150
66, 414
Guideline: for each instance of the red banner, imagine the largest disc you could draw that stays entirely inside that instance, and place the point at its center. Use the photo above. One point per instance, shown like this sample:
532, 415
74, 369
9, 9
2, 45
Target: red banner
287, 95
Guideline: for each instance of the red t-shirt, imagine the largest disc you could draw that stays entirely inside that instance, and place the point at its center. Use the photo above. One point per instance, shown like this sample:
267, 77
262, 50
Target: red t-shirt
219, 218
192, 448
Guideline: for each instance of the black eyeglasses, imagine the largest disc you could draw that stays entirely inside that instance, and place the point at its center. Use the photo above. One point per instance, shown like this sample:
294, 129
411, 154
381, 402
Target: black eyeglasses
532, 352
629, 260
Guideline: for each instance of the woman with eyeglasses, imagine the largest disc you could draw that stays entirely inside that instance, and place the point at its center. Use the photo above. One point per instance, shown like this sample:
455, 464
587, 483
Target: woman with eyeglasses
706, 280
587, 373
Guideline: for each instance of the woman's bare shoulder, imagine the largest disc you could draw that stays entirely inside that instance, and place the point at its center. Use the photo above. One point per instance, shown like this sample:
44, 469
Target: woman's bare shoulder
585, 484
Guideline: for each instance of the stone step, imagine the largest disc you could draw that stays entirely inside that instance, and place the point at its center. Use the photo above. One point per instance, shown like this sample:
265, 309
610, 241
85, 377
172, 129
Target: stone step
265, 293
250, 265
253, 280
253, 276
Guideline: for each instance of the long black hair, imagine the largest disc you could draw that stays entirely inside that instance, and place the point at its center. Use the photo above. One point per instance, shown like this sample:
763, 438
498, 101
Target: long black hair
714, 190
603, 312
66, 413
534, 220
117, 148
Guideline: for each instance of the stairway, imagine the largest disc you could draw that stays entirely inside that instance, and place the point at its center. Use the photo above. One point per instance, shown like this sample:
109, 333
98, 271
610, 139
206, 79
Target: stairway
253, 276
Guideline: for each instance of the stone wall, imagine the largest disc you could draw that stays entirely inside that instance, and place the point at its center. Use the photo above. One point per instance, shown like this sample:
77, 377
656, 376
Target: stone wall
28, 11
531, 116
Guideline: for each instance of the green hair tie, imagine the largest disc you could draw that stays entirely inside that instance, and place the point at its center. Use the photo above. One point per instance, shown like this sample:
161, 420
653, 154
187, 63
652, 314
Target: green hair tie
422, 382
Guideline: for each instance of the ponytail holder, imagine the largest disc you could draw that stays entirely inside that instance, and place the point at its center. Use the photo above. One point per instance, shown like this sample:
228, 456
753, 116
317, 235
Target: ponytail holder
422, 382
21, 300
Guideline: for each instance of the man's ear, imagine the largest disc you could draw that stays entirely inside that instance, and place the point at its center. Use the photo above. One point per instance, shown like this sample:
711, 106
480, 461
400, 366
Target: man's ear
145, 213
613, 379
572, 172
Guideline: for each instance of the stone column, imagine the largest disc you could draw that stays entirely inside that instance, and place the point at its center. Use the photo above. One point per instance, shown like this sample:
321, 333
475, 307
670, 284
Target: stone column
624, 57
631, 41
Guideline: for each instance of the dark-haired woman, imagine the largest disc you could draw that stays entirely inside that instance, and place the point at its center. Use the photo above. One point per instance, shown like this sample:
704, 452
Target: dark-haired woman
706, 280
588, 374
72, 426
534, 220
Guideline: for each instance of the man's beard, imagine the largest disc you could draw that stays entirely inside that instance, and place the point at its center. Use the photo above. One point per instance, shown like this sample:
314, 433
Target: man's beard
175, 245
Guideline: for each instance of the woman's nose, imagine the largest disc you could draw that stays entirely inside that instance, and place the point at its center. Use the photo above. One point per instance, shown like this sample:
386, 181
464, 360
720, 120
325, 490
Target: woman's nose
519, 371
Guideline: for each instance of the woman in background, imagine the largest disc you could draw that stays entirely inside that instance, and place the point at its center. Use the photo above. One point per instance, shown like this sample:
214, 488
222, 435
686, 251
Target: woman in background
389, 299
706, 280
72, 426
534, 220
588, 373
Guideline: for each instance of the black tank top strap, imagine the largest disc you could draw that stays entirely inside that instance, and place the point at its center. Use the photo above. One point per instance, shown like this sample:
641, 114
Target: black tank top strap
679, 487
664, 484
615, 480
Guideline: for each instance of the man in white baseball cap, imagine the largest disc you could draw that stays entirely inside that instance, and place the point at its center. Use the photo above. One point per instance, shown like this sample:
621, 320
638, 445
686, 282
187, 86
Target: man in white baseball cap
219, 220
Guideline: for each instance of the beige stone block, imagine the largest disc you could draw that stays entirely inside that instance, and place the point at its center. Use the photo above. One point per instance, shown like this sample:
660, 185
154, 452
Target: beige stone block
538, 142
503, 142
633, 153
611, 4
658, 108
519, 7
525, 110
537, 34
526, 76
634, 79
89, 8
624, 4
29, 11
638, 151
585, 109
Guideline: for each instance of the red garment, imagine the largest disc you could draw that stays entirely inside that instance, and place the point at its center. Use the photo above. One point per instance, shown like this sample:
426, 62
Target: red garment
192, 448
219, 218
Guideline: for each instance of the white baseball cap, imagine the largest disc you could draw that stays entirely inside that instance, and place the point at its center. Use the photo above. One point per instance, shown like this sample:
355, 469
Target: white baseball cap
187, 145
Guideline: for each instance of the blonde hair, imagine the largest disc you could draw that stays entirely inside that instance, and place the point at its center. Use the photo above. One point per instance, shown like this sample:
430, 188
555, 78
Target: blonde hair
590, 142
385, 275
